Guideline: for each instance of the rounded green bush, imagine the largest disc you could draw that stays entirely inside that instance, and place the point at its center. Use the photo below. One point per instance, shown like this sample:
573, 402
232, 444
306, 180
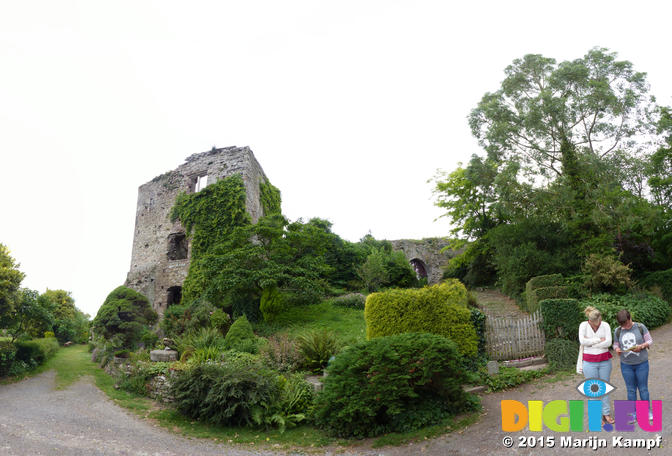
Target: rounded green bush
241, 337
437, 309
126, 314
392, 384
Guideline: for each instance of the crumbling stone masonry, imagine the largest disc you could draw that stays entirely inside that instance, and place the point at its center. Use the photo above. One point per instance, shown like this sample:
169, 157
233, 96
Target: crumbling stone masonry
161, 248
426, 256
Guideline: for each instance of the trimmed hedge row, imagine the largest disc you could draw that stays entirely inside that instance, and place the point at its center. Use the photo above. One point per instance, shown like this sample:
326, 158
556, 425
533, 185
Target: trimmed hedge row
37, 350
535, 296
644, 308
561, 353
7, 356
437, 309
532, 298
561, 318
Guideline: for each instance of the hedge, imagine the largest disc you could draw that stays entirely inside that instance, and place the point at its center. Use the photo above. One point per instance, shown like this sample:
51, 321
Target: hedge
662, 280
535, 296
36, 351
392, 384
562, 353
7, 356
542, 281
561, 318
644, 308
437, 309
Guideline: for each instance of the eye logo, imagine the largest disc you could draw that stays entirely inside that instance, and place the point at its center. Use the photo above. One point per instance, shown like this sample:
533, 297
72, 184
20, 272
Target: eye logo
595, 387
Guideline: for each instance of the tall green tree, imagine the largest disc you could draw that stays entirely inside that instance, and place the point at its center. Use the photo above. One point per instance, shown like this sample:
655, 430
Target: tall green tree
546, 115
10, 281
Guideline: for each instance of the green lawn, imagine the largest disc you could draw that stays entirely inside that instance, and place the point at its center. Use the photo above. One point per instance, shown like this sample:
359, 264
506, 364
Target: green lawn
348, 324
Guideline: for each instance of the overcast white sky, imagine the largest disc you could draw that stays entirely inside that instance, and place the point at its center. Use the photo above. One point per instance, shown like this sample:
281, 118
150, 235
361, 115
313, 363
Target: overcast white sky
349, 106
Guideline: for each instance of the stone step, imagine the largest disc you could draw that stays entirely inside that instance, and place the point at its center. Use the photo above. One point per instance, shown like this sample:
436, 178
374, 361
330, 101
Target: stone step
534, 367
535, 360
474, 389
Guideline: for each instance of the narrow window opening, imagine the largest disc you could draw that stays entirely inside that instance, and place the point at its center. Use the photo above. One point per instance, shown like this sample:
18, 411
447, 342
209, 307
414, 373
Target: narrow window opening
174, 296
177, 246
201, 183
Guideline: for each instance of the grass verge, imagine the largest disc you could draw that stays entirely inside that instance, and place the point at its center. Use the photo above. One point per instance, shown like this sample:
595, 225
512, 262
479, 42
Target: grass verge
450, 425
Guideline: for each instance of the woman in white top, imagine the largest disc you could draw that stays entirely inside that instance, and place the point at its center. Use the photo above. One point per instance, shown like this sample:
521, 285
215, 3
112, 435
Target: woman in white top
595, 336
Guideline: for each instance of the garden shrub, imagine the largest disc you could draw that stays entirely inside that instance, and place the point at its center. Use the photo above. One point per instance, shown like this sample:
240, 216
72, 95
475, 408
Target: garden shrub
315, 349
241, 337
561, 318
438, 309
662, 280
510, 377
297, 395
561, 353
36, 351
281, 353
373, 387
206, 340
534, 296
645, 308
272, 303
650, 310
126, 314
220, 320
351, 301
7, 356
606, 273
221, 395
478, 320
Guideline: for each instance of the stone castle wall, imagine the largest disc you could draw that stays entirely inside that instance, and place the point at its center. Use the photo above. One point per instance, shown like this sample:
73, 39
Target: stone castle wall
429, 252
159, 262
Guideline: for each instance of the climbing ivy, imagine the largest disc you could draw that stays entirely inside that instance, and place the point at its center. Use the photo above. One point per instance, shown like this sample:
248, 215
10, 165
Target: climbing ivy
210, 215
270, 198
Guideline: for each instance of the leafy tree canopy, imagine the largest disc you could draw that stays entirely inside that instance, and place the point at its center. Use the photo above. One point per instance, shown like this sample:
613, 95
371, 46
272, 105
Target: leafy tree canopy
10, 280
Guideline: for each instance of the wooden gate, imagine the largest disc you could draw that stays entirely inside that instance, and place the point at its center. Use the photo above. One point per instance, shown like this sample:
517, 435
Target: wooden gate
514, 338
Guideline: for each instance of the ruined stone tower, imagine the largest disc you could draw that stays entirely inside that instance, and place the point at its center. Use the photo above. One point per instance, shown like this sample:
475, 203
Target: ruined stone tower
161, 248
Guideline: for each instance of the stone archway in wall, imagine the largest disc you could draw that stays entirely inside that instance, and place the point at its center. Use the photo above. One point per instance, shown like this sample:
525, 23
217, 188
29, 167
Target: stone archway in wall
420, 267
426, 255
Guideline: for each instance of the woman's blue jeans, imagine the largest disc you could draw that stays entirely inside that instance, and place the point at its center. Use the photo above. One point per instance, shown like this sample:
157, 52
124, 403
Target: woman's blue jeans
601, 370
636, 377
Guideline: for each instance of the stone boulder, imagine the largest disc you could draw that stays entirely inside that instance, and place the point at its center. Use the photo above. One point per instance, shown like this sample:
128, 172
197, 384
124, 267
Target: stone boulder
166, 355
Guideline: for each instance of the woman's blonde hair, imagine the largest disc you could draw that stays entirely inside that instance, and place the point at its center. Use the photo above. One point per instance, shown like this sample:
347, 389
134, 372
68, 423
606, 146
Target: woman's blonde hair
592, 313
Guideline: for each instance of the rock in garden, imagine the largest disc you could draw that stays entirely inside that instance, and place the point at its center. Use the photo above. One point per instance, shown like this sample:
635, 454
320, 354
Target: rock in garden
163, 355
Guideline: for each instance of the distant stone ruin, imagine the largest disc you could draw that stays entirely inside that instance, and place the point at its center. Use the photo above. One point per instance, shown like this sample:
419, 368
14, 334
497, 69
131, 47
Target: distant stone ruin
161, 248
426, 256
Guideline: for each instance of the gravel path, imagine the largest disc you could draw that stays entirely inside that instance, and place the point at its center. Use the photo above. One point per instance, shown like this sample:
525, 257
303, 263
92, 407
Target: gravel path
35, 419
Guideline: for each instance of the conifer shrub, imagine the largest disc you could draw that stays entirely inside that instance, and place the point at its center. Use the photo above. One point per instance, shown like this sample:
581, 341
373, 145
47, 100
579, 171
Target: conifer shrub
241, 337
123, 317
272, 303
561, 353
437, 309
391, 384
